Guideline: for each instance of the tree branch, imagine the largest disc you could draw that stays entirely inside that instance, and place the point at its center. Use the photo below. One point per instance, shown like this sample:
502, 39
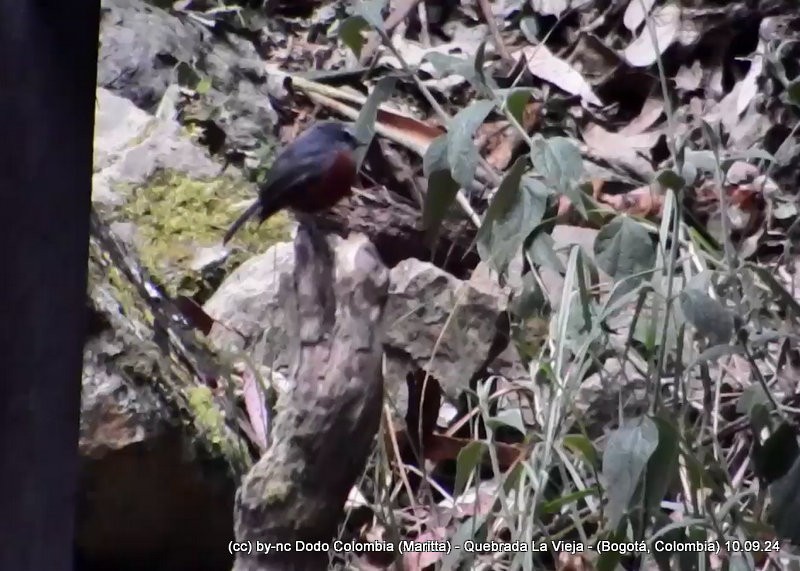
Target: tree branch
325, 428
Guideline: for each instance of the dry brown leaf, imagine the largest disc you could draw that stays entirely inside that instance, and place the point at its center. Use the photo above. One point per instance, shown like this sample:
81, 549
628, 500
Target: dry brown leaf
642, 201
545, 65
689, 78
501, 155
666, 20
749, 84
627, 150
256, 407
550, 7
635, 13
442, 447
651, 110
408, 131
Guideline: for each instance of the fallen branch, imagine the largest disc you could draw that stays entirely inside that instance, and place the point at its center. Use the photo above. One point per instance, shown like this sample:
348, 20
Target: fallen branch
325, 428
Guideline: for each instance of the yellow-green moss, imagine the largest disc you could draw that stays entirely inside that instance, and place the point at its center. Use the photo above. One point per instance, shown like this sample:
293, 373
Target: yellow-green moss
207, 417
176, 216
277, 492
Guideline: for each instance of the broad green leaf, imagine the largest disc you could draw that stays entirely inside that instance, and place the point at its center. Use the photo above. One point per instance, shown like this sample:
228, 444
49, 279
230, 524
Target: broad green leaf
555, 506
785, 510
435, 158
670, 179
786, 299
509, 417
707, 315
204, 86
516, 102
469, 458
579, 443
623, 248
752, 155
462, 155
365, 125
442, 189
449, 65
542, 251
774, 458
750, 397
663, 464
512, 477
516, 210
371, 11
530, 28
609, 560
702, 160
559, 162
714, 353
793, 92
351, 33
627, 452
477, 65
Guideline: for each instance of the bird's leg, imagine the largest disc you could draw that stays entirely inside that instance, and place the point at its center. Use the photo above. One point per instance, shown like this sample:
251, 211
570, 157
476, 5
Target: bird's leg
321, 224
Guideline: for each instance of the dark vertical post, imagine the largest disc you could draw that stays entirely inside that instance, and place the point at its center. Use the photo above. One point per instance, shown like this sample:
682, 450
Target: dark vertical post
48, 61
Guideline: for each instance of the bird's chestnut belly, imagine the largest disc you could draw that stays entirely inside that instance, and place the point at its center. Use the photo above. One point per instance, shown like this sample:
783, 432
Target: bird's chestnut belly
334, 184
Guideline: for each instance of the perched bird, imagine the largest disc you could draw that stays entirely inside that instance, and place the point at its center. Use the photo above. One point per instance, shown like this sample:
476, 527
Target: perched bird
311, 174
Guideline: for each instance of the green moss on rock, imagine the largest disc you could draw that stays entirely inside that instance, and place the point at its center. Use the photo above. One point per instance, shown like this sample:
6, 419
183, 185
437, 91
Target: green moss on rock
176, 216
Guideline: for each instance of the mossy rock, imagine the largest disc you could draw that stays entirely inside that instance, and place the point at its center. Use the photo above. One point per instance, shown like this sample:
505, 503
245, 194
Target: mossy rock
177, 216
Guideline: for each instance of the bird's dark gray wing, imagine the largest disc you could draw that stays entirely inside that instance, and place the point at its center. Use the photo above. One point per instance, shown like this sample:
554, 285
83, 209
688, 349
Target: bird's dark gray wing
289, 174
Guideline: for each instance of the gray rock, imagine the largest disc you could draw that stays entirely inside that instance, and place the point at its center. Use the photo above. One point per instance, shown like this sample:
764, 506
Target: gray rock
440, 323
140, 49
145, 497
432, 319
131, 145
251, 306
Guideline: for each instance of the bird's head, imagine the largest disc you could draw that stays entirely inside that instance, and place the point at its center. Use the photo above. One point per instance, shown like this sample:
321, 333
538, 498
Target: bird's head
337, 132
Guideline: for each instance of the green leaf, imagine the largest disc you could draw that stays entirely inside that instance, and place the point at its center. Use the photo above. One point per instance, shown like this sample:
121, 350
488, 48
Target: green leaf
707, 315
530, 28
559, 162
775, 457
462, 155
702, 160
579, 443
442, 189
663, 464
623, 248
793, 92
435, 158
627, 452
515, 212
509, 417
351, 33
516, 102
365, 125
671, 179
450, 65
751, 396
786, 299
468, 459
542, 251
785, 510
371, 11
204, 86
477, 65
558, 504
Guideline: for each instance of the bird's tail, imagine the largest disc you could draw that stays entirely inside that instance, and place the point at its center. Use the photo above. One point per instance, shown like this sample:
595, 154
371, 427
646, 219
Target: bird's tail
251, 211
